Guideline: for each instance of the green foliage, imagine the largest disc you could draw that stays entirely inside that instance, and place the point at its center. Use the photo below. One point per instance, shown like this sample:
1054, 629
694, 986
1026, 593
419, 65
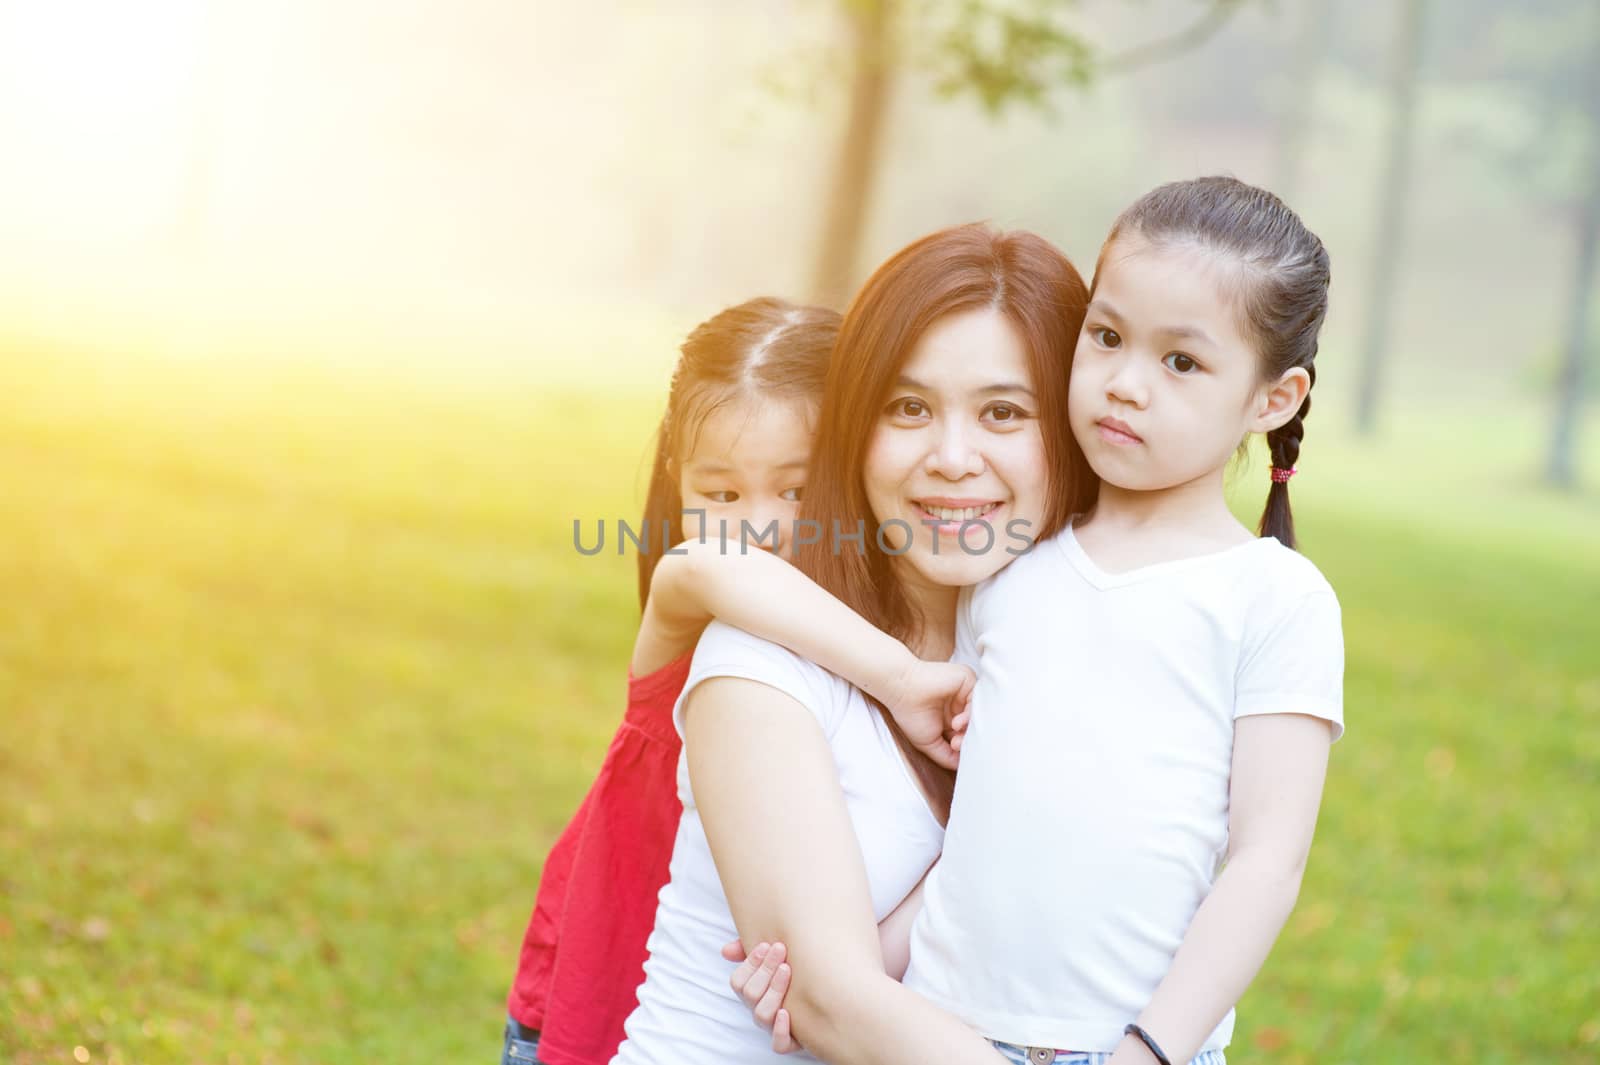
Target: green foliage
301, 676
1004, 53
998, 52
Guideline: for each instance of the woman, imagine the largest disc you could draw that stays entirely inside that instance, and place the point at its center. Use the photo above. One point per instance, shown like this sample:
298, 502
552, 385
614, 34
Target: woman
944, 405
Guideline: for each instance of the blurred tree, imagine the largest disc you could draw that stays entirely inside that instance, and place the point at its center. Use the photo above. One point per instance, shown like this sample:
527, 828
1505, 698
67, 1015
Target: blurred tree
846, 213
1295, 108
999, 52
1529, 100
1393, 197
1561, 468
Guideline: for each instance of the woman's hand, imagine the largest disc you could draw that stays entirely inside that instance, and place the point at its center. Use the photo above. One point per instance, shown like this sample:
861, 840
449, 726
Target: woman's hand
929, 702
762, 981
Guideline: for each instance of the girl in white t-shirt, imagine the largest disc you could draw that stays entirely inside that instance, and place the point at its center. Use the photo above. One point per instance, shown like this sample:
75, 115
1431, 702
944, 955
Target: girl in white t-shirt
1157, 686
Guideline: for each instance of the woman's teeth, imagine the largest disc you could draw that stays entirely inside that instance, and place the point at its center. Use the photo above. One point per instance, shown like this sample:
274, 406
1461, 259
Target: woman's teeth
958, 513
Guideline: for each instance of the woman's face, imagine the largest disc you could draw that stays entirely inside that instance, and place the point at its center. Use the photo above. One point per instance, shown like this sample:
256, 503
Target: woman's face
955, 469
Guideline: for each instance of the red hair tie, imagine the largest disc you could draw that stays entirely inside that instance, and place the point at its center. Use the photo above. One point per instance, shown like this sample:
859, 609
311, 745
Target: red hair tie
1281, 476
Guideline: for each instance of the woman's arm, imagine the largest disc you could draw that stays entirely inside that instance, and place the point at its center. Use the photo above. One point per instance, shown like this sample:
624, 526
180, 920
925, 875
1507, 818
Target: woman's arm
768, 794
766, 596
1279, 762
762, 978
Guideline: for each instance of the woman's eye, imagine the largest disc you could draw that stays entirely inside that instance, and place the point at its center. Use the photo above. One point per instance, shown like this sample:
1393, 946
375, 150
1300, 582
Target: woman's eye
1106, 338
722, 497
793, 495
1178, 362
1004, 412
909, 408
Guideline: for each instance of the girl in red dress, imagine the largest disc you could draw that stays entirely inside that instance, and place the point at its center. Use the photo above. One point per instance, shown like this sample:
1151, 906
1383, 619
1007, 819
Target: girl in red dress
733, 447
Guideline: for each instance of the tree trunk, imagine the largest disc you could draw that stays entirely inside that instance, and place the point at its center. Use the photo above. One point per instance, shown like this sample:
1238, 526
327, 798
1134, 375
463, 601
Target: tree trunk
1561, 470
857, 163
1392, 206
1310, 45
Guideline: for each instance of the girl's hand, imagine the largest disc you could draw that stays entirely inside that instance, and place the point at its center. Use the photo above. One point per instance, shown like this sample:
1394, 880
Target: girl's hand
929, 702
762, 981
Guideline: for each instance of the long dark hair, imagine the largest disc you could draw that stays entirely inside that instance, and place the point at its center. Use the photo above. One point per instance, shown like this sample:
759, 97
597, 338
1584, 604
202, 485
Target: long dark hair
763, 350
1020, 275
1282, 295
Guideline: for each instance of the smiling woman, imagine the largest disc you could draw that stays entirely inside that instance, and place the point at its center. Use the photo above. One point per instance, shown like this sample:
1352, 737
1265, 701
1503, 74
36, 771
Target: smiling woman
956, 451
989, 320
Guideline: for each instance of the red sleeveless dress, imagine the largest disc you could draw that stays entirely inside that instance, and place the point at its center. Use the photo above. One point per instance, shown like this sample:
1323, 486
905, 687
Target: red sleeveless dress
584, 951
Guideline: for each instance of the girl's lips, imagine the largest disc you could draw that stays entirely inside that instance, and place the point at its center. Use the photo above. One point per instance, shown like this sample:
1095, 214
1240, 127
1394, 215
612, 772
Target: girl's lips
1115, 432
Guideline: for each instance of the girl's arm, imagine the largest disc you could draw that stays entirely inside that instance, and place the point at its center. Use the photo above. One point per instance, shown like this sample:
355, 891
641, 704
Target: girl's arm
766, 596
768, 794
1279, 762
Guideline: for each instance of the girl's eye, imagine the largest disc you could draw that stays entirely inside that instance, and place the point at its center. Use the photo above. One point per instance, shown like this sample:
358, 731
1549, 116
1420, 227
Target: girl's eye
1178, 362
1106, 338
722, 497
793, 495
909, 408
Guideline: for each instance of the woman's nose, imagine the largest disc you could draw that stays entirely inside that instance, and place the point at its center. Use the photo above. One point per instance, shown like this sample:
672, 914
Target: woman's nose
955, 454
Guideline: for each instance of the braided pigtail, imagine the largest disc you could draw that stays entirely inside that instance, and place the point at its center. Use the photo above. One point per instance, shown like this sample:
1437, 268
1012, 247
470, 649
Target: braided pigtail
1283, 444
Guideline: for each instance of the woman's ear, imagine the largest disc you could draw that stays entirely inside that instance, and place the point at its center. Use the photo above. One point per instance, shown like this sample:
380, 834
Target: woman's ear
1280, 400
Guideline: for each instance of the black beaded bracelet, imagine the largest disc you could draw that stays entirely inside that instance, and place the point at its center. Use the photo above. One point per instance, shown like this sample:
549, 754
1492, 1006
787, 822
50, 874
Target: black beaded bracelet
1149, 1041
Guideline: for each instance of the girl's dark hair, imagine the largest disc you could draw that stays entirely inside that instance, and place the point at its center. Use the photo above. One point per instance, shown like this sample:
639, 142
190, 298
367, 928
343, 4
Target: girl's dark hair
968, 267
762, 350
1281, 290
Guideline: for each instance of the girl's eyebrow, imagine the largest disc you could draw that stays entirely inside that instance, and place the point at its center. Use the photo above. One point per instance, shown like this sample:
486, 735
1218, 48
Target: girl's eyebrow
1104, 308
703, 466
987, 390
1187, 332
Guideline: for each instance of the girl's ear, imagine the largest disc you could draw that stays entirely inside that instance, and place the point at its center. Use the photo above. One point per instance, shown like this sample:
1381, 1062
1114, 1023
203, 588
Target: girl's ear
1281, 400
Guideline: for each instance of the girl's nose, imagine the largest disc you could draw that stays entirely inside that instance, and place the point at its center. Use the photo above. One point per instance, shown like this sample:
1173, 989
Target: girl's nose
1127, 383
769, 526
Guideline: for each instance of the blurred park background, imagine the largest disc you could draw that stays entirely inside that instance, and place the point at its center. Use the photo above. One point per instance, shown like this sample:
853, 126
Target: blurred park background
321, 322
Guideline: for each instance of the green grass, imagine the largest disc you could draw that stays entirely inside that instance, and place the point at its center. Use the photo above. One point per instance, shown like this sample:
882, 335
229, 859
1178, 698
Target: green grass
300, 676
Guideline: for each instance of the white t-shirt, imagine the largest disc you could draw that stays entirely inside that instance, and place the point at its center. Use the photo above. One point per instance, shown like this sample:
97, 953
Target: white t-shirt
687, 1014
1091, 810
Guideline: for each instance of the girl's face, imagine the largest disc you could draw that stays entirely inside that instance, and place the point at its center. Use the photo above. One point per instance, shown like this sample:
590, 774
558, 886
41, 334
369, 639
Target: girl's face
958, 443
748, 465
1164, 383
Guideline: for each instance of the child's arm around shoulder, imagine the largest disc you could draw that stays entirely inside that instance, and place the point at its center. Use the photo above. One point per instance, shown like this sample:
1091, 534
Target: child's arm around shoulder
766, 596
